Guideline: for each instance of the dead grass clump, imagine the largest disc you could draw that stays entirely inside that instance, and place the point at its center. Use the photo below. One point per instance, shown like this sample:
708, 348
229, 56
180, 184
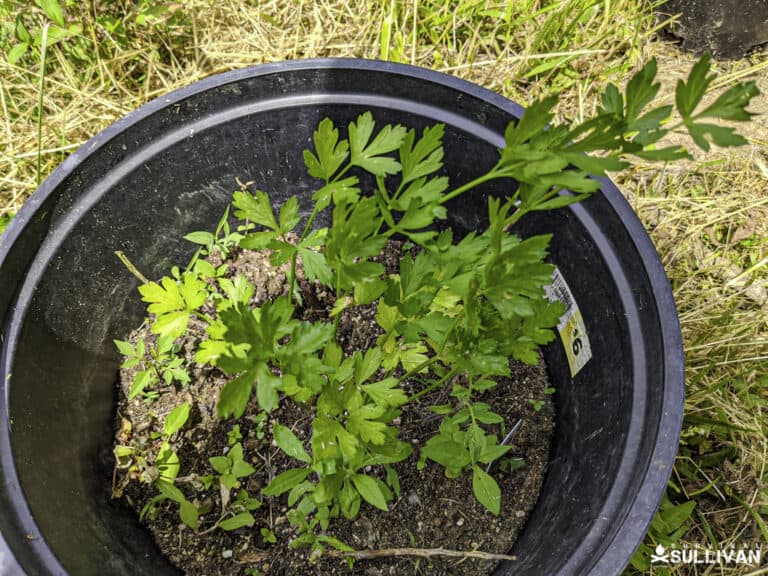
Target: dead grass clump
710, 226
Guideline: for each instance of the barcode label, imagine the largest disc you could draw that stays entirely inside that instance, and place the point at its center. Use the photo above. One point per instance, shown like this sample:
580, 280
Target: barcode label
573, 332
559, 290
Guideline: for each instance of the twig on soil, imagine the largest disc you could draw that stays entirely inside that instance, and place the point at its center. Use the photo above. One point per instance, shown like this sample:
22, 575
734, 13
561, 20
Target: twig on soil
419, 552
128, 264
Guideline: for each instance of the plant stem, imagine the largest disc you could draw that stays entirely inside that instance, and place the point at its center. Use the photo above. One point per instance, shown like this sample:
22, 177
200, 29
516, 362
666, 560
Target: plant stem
492, 175
131, 268
419, 552
204, 317
419, 368
434, 385
41, 82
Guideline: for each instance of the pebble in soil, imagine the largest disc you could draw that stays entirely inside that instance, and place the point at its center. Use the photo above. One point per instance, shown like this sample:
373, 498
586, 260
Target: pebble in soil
432, 511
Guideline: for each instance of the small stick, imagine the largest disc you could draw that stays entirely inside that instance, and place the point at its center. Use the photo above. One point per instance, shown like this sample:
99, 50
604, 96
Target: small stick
511, 434
128, 264
420, 552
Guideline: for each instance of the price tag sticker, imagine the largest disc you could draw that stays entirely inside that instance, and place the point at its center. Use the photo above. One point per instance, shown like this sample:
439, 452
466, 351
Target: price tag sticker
573, 332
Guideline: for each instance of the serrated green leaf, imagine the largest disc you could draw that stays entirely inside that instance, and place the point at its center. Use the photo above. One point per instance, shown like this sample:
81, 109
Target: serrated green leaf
171, 324
386, 392
315, 266
289, 215
370, 491
641, 90
341, 191
486, 490
423, 191
688, 94
125, 348
560, 201
334, 543
233, 398
613, 101
720, 135
533, 121
238, 521
210, 351
731, 105
286, 481
331, 152
258, 240
289, 443
163, 297
256, 208
311, 337
369, 155
595, 165
425, 156
366, 364
668, 154
176, 419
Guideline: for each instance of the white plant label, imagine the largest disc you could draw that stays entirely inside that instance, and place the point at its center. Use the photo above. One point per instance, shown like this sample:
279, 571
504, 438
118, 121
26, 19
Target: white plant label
573, 333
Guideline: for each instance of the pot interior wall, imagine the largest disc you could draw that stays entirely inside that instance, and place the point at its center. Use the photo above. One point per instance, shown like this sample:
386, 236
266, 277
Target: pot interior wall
170, 170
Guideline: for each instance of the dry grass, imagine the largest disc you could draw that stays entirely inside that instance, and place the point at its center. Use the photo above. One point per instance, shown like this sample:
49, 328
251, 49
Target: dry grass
481, 41
710, 225
708, 219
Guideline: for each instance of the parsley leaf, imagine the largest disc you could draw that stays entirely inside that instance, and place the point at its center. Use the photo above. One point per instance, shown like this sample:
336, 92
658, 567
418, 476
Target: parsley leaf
370, 155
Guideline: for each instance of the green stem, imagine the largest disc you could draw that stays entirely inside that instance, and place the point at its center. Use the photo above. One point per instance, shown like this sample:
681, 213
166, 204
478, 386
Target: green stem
434, 385
204, 317
428, 362
492, 175
294, 258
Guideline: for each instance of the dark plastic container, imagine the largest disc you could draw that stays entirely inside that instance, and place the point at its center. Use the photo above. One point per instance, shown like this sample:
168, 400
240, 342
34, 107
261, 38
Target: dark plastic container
170, 168
726, 28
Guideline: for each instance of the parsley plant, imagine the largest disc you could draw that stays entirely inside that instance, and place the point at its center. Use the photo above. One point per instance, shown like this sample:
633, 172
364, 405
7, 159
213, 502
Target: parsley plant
452, 317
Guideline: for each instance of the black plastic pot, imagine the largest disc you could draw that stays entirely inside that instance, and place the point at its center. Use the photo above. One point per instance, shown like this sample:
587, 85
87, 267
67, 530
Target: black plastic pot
170, 168
726, 28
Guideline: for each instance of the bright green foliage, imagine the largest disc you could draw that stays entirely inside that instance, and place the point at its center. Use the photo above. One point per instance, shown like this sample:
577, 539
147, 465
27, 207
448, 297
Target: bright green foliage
229, 469
158, 363
452, 316
222, 240
173, 302
731, 105
168, 466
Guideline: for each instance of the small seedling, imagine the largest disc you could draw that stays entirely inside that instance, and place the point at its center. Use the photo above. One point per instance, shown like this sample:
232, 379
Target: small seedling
268, 536
167, 468
159, 363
